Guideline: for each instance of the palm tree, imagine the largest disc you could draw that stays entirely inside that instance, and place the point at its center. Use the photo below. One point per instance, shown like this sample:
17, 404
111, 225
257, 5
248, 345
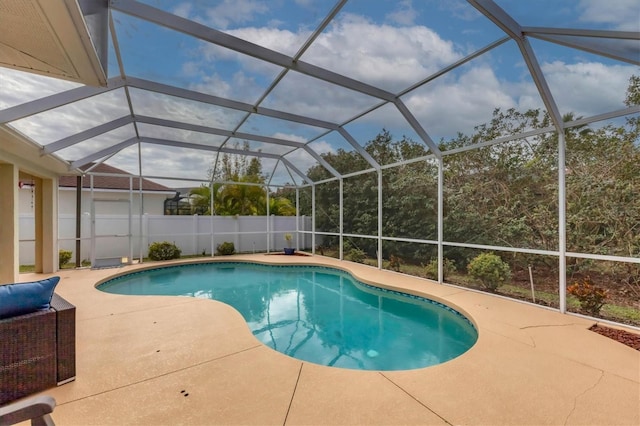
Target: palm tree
245, 200
281, 206
201, 199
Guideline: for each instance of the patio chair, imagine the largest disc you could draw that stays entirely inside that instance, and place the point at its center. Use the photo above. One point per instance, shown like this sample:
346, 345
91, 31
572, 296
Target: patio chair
38, 348
36, 409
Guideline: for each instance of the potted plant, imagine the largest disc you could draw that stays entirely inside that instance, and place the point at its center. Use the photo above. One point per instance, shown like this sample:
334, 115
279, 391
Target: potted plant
288, 249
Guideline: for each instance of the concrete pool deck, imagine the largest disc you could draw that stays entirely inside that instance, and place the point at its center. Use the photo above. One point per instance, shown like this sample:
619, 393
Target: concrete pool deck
161, 360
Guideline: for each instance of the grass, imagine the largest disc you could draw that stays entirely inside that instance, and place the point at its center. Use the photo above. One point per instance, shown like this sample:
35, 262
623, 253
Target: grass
630, 314
619, 313
24, 269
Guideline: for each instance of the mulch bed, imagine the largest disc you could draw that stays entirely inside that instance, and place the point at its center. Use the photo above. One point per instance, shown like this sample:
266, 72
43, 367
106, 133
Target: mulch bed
626, 338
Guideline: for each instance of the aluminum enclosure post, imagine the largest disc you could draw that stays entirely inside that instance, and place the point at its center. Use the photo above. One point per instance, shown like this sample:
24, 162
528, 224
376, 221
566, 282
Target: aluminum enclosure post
341, 257
562, 226
313, 219
440, 220
379, 251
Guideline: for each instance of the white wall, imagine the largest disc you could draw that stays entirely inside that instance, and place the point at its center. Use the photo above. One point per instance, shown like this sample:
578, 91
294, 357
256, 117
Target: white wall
153, 201
192, 234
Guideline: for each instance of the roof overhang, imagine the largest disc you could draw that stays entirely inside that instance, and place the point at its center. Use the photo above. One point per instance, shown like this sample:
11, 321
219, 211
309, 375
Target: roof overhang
27, 156
58, 38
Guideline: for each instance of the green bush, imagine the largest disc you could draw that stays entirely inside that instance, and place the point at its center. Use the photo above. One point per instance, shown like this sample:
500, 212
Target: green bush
226, 248
164, 251
448, 267
490, 270
356, 255
64, 256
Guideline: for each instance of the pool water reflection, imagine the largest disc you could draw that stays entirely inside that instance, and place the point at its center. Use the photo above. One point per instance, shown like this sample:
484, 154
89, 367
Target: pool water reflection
318, 314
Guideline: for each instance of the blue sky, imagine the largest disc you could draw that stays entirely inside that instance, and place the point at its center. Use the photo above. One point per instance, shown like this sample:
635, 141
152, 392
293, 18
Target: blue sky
387, 43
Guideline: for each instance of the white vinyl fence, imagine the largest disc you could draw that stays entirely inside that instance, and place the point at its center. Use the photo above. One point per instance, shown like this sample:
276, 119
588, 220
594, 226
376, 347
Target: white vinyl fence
192, 234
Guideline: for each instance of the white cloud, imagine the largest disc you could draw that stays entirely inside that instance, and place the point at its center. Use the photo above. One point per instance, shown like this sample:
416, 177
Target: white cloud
162, 106
459, 9
19, 87
620, 14
67, 120
311, 97
323, 147
126, 160
405, 14
91, 146
391, 57
388, 56
229, 12
241, 86
176, 162
383, 55
448, 106
183, 10
272, 38
458, 104
301, 159
588, 88
289, 137
226, 14
214, 85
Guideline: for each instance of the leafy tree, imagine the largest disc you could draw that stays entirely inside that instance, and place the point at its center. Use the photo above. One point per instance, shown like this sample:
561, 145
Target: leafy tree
633, 91
281, 206
244, 200
504, 194
201, 199
407, 192
248, 197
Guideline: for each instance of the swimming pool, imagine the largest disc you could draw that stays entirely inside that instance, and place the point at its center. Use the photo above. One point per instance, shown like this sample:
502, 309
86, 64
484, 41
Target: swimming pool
318, 314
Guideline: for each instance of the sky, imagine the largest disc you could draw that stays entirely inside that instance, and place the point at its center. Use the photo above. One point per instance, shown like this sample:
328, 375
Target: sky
390, 44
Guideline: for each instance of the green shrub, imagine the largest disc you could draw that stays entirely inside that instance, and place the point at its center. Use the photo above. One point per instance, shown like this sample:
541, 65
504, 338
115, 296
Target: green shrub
164, 251
591, 297
356, 255
226, 248
490, 270
448, 267
64, 256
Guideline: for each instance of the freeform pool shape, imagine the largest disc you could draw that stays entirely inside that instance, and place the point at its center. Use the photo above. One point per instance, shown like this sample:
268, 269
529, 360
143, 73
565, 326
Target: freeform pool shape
318, 314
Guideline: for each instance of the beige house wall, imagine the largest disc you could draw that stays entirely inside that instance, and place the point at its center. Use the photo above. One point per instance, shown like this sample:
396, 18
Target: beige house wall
9, 264
19, 162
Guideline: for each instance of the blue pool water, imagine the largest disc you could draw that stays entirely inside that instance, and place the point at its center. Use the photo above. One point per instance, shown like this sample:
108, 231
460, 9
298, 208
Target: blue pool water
318, 314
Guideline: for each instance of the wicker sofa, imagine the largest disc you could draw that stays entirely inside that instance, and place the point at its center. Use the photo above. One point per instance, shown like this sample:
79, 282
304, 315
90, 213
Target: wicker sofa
37, 350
